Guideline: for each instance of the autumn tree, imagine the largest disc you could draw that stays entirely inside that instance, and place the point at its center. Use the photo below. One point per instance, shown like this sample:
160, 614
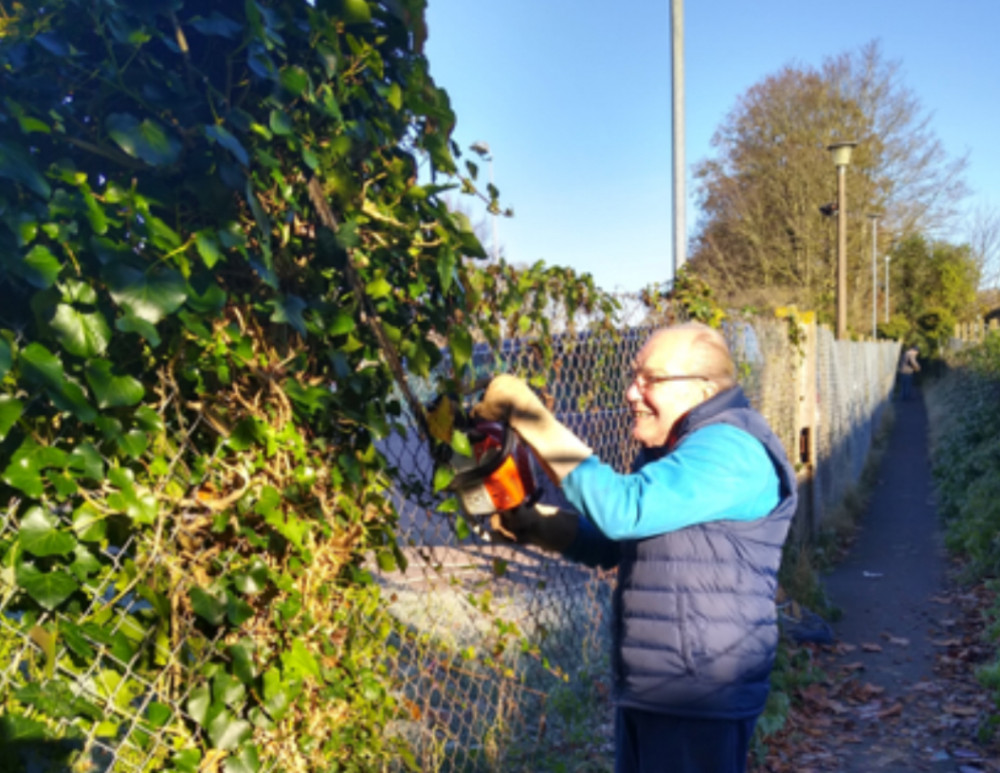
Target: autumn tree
763, 236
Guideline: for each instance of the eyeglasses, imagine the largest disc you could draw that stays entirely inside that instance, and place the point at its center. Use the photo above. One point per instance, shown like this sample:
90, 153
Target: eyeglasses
645, 381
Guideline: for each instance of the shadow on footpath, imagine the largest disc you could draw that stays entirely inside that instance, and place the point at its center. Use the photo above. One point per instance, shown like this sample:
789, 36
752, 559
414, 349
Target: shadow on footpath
892, 591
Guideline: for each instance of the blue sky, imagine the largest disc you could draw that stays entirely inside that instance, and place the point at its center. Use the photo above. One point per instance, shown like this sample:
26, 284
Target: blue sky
573, 97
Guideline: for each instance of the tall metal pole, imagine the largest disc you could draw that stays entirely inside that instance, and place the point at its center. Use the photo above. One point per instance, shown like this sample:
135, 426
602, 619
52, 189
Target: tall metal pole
841, 251
874, 219
887, 289
677, 80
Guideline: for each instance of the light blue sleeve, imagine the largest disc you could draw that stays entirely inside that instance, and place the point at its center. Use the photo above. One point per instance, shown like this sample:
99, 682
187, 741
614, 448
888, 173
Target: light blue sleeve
717, 472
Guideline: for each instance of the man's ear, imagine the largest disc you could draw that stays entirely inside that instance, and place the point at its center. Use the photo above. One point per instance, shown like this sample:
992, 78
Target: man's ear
709, 389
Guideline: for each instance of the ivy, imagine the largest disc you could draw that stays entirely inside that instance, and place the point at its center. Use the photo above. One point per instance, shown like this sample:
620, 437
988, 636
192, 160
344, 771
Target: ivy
216, 254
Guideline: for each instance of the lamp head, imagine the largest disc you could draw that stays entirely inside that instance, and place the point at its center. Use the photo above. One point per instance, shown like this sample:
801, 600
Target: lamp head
841, 152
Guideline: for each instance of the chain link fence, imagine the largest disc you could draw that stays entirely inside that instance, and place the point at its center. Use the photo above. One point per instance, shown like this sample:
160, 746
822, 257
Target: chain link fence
824, 399
494, 648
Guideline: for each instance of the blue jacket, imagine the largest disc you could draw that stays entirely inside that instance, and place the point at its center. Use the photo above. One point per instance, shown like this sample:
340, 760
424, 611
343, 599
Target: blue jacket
694, 626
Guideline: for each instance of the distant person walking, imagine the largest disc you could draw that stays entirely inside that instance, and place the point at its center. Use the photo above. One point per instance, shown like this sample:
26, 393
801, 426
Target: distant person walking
908, 365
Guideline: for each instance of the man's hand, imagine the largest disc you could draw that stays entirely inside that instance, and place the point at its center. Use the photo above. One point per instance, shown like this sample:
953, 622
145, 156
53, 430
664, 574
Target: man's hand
505, 397
546, 526
509, 399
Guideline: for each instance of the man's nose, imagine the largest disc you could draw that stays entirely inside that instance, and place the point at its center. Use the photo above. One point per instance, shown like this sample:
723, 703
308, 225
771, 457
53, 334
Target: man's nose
632, 393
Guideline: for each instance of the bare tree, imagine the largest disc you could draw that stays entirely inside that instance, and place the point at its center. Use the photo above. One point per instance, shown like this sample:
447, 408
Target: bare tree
761, 194
983, 236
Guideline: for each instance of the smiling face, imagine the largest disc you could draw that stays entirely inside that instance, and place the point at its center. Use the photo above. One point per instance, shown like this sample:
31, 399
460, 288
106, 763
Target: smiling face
656, 405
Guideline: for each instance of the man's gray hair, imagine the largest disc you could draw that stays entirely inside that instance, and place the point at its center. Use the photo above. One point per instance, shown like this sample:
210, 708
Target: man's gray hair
709, 355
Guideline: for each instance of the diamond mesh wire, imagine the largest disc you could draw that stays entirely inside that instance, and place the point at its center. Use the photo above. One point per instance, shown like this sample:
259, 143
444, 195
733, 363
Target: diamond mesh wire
490, 638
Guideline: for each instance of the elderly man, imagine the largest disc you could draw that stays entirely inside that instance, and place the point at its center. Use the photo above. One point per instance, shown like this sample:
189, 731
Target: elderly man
696, 531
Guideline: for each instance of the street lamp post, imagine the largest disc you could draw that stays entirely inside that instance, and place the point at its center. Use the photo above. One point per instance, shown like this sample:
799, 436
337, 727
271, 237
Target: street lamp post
887, 288
841, 152
483, 149
874, 218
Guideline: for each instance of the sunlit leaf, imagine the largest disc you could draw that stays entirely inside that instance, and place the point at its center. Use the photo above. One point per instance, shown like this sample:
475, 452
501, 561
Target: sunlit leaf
442, 477
10, 411
280, 122
460, 345
110, 390
40, 267
41, 536
79, 333
378, 288
227, 732
209, 606
208, 247
49, 588
149, 296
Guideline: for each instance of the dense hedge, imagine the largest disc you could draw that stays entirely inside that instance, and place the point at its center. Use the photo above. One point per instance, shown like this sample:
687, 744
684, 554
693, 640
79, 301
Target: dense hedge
222, 233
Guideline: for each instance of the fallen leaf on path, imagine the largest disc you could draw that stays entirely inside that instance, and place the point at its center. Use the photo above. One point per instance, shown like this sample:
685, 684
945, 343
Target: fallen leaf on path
871, 647
960, 711
894, 710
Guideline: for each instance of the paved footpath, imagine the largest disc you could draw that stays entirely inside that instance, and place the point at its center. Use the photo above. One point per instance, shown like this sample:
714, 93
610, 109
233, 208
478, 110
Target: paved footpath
891, 590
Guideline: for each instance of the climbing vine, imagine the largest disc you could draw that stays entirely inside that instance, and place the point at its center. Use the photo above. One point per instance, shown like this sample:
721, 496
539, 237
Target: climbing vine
222, 236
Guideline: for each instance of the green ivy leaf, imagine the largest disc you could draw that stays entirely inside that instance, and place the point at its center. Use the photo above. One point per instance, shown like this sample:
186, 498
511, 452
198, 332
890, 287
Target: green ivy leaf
442, 477
378, 288
227, 732
85, 335
198, 702
10, 411
87, 462
17, 165
460, 443
28, 462
145, 140
42, 367
110, 390
280, 123
229, 142
50, 588
217, 24
227, 689
294, 80
342, 324
254, 579
208, 606
241, 654
288, 310
40, 534
207, 244
40, 267
89, 523
6, 357
132, 324
276, 699
460, 344
149, 296
246, 760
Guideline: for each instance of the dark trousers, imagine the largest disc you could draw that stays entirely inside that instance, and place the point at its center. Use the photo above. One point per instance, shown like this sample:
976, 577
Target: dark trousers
656, 743
905, 386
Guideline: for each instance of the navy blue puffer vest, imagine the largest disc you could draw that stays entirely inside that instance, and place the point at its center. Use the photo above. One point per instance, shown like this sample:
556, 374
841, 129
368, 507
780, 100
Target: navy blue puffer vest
695, 628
